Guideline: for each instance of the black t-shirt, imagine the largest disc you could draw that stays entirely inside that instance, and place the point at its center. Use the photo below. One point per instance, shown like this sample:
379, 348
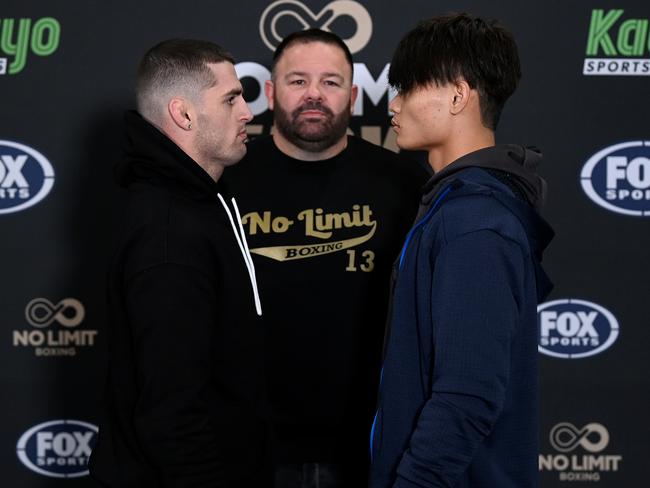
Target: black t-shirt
323, 236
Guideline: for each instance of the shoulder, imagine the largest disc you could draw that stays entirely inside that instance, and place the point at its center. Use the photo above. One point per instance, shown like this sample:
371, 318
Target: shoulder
164, 229
473, 207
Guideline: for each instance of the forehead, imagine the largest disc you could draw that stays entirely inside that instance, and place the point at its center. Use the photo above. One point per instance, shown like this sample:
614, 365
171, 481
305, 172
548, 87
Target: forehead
225, 76
313, 57
428, 91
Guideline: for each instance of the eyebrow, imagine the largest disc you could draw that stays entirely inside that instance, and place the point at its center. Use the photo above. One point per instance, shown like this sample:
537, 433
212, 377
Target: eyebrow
325, 75
234, 92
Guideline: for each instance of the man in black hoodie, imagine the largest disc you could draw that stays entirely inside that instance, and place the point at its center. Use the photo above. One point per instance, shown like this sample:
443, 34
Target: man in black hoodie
185, 379
458, 401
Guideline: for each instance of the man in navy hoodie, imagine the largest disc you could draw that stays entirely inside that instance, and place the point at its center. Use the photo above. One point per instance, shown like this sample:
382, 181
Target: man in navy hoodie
458, 401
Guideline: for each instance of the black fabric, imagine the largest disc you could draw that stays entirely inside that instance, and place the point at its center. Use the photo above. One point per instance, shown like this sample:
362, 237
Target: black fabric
513, 165
183, 403
325, 312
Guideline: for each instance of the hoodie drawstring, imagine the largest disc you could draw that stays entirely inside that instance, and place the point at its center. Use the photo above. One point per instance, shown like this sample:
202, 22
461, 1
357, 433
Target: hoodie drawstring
243, 247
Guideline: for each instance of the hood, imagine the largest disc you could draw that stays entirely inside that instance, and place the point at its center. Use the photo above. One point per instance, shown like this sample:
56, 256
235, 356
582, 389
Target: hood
513, 165
151, 157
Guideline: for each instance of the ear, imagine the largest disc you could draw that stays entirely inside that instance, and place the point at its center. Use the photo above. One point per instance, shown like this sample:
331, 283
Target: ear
268, 91
182, 113
460, 93
354, 92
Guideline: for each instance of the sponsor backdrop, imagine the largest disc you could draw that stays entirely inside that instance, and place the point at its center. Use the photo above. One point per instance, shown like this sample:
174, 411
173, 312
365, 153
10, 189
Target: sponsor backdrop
66, 72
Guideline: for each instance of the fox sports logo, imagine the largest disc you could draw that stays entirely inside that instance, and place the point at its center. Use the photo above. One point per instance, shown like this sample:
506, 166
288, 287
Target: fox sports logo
59, 448
618, 178
26, 177
573, 329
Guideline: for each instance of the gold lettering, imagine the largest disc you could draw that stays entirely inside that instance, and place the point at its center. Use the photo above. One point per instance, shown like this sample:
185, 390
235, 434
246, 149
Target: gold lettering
256, 221
308, 217
369, 265
338, 220
281, 224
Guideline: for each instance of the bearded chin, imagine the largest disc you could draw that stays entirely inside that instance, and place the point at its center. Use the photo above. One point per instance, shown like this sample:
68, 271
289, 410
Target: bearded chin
312, 136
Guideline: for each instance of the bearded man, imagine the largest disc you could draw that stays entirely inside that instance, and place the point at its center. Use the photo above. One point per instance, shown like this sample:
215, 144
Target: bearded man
325, 215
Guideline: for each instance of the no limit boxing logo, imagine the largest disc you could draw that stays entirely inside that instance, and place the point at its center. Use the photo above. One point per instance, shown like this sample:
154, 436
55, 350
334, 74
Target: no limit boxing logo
58, 319
26, 177
566, 438
294, 15
69, 312
618, 178
58, 449
573, 329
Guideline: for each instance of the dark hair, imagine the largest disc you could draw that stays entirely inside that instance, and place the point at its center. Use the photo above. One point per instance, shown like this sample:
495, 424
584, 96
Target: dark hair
308, 36
445, 49
178, 66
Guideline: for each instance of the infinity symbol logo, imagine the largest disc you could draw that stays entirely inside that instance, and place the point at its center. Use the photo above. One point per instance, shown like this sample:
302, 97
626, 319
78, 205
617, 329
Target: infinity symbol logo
566, 437
299, 14
69, 312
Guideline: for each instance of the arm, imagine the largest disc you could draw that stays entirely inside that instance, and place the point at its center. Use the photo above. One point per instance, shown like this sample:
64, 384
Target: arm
474, 310
172, 314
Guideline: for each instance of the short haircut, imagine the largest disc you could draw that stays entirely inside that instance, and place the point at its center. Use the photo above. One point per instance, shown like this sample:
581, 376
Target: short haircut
306, 37
176, 67
445, 49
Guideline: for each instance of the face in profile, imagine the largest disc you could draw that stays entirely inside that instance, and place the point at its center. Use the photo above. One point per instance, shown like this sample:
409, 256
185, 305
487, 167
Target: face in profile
421, 117
222, 115
312, 95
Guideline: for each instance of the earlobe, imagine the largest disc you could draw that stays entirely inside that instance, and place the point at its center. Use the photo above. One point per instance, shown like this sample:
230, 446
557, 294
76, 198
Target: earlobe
181, 113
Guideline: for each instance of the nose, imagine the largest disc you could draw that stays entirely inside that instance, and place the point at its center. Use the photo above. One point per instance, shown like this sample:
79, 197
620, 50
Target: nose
395, 104
313, 91
247, 115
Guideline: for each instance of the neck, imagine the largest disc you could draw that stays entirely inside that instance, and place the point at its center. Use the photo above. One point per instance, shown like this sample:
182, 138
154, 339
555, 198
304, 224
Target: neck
215, 170
460, 143
295, 152
186, 144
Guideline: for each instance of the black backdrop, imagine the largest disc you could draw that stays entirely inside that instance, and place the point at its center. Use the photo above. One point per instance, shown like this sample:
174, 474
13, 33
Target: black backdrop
67, 75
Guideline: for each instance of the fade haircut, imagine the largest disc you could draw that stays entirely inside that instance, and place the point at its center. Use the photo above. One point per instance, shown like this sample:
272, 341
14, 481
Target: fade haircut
176, 67
306, 37
446, 49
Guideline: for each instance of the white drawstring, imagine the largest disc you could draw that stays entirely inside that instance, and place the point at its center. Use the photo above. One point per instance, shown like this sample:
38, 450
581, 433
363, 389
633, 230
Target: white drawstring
243, 247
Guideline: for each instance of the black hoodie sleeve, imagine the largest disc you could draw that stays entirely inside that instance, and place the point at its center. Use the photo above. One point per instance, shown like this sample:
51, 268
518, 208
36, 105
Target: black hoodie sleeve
172, 312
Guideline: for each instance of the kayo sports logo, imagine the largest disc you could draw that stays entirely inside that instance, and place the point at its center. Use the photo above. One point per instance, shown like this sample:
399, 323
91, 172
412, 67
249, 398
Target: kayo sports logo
574, 329
59, 448
17, 36
26, 177
620, 48
294, 15
618, 178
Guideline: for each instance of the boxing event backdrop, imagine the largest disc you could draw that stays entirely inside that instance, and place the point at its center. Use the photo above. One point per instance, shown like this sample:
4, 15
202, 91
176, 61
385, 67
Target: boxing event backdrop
66, 76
